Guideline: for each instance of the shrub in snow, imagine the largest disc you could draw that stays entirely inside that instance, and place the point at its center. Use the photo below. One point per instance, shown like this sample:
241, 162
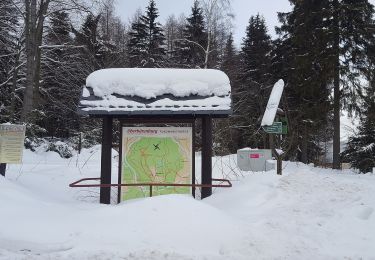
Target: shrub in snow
63, 149
33, 143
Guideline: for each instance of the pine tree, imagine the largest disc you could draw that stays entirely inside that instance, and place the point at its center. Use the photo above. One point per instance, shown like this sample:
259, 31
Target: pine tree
351, 29
10, 51
59, 89
137, 43
88, 37
146, 45
250, 96
192, 47
360, 151
230, 59
92, 53
302, 60
224, 134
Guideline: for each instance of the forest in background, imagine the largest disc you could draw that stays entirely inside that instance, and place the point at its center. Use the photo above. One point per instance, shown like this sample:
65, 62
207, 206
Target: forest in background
324, 52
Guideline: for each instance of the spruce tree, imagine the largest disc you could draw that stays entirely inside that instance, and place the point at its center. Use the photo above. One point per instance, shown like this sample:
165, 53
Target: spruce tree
255, 81
59, 89
191, 47
146, 45
230, 59
92, 53
360, 151
137, 44
10, 48
97, 53
352, 31
302, 60
225, 135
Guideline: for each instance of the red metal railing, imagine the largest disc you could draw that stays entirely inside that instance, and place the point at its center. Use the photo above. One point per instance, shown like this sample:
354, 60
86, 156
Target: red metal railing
77, 184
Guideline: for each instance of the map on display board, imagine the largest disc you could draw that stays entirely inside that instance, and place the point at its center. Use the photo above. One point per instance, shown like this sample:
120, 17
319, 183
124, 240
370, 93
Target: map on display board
156, 155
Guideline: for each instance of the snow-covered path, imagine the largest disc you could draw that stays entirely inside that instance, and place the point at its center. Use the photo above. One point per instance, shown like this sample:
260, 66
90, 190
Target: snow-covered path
308, 213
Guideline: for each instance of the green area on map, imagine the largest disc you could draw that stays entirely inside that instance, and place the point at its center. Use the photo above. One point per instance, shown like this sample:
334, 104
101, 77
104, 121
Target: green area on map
155, 159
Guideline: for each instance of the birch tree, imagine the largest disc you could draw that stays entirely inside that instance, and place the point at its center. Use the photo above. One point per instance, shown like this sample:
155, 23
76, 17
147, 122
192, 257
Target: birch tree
217, 14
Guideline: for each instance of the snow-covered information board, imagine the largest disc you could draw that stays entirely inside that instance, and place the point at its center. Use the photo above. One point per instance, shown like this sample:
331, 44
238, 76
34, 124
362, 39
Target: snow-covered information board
11, 143
156, 155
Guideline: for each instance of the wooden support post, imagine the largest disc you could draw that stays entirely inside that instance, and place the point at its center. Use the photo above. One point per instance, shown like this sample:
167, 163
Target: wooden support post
278, 157
279, 165
206, 155
106, 162
3, 167
193, 157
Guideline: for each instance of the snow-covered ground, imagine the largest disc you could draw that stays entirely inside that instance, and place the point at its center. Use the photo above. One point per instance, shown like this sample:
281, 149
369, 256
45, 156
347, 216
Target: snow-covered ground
308, 213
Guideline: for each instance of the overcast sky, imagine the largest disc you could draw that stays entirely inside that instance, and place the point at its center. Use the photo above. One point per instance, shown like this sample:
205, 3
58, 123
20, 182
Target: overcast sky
242, 10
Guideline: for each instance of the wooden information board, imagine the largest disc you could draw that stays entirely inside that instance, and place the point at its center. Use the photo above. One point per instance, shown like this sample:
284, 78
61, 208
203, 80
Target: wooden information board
11, 143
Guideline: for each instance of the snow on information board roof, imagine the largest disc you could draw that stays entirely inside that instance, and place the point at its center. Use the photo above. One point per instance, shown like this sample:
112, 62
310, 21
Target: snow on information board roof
141, 91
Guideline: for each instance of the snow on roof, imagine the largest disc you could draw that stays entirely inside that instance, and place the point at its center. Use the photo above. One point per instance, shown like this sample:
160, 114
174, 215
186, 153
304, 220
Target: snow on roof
248, 149
150, 83
129, 90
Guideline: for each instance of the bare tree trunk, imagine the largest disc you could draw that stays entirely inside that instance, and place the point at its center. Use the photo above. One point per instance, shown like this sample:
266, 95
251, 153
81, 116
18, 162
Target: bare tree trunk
207, 52
14, 80
336, 92
304, 140
38, 39
34, 22
30, 22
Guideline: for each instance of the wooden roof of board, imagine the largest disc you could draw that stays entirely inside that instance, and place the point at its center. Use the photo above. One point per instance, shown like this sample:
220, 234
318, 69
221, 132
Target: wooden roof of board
136, 91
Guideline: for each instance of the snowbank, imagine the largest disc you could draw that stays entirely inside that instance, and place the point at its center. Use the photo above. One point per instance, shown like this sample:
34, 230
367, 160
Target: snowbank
307, 213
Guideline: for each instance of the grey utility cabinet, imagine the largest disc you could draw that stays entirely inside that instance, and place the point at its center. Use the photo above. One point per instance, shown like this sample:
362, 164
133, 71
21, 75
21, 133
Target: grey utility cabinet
256, 160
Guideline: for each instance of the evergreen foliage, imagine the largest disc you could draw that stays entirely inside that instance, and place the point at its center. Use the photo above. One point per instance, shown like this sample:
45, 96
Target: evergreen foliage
324, 50
97, 53
191, 48
360, 152
251, 94
230, 59
226, 136
351, 27
10, 53
356, 35
60, 88
302, 60
146, 45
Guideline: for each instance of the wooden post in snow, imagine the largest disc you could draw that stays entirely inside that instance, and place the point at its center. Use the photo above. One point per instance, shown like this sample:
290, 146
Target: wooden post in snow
3, 167
106, 160
206, 155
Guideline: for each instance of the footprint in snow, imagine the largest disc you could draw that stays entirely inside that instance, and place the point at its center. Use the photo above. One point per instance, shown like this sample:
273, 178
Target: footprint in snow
366, 213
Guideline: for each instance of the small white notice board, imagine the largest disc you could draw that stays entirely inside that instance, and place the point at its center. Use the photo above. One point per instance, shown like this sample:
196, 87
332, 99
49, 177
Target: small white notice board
11, 143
